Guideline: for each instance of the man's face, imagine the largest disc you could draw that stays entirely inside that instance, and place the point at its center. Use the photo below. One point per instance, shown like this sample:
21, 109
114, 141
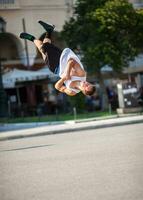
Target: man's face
86, 86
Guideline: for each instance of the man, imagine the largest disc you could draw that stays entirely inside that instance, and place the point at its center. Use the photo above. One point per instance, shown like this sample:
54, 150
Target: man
64, 63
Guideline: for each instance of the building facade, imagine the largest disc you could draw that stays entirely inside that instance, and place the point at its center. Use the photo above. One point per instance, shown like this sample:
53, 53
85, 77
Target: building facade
137, 3
20, 15
17, 16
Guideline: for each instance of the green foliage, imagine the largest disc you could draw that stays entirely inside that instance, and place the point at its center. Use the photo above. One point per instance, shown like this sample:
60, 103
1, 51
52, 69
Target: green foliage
51, 118
107, 31
117, 23
83, 7
78, 101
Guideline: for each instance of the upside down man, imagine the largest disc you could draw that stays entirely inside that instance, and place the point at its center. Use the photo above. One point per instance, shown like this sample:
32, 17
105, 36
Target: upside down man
64, 63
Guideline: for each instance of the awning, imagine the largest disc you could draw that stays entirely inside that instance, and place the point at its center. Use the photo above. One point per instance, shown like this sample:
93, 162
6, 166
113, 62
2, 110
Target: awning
16, 76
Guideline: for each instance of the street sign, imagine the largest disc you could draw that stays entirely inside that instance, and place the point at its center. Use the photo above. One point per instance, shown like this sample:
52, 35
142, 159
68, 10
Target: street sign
128, 95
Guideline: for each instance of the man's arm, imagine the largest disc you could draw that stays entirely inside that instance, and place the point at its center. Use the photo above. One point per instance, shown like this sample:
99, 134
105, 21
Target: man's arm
59, 84
60, 87
70, 65
73, 64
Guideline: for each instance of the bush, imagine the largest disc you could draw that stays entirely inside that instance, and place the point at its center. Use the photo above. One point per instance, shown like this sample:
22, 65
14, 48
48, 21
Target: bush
78, 102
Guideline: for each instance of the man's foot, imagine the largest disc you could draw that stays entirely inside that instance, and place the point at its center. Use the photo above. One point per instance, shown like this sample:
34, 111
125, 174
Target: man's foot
27, 36
48, 27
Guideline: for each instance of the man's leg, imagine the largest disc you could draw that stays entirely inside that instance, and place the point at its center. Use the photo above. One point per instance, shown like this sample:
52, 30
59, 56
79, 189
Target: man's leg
47, 39
27, 36
38, 43
49, 28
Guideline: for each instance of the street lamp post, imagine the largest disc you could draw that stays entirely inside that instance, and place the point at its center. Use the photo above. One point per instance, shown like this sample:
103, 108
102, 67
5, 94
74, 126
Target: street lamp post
3, 97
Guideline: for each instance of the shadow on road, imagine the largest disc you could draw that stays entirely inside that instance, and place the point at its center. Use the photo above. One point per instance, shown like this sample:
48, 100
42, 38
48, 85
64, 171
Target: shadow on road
26, 148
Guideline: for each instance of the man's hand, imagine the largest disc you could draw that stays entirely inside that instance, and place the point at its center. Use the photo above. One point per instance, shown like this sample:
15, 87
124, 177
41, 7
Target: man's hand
59, 83
60, 87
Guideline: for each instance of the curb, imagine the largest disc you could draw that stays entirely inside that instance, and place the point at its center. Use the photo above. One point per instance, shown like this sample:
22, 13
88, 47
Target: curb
76, 127
19, 126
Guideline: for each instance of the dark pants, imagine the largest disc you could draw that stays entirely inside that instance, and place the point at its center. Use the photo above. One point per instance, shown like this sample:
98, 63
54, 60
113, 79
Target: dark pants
53, 54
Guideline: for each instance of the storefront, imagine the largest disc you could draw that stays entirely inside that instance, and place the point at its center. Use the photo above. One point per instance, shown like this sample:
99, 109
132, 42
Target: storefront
26, 90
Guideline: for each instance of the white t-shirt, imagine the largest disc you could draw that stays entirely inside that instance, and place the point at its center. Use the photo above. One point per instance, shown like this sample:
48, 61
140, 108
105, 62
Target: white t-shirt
65, 56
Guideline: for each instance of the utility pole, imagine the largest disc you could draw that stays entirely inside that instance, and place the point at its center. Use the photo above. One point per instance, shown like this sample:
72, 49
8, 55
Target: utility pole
25, 42
30, 88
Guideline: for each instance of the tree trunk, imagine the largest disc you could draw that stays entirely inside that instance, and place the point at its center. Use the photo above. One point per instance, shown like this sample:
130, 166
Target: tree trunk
103, 93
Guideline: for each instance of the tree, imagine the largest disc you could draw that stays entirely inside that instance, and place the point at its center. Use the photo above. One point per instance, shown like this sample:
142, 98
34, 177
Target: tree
109, 32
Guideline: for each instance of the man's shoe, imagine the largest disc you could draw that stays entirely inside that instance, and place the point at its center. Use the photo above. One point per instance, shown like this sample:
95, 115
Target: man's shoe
27, 36
48, 27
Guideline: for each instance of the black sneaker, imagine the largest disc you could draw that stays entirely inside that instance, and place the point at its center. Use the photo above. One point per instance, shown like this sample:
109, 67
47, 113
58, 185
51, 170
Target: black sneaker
27, 36
47, 27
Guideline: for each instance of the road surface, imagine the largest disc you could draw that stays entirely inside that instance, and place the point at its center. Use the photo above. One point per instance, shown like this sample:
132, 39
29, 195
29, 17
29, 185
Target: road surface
100, 164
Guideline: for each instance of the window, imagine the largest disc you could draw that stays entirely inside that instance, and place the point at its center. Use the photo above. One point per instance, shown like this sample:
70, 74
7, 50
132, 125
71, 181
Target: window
9, 4
7, 1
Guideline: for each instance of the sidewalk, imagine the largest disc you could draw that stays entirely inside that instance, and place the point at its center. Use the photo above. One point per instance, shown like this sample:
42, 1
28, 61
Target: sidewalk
8, 131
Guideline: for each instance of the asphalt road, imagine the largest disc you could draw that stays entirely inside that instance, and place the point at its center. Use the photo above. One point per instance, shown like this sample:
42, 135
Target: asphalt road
101, 164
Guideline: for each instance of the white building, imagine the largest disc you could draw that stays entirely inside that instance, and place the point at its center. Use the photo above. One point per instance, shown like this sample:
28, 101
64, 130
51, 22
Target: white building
19, 13
17, 16
137, 3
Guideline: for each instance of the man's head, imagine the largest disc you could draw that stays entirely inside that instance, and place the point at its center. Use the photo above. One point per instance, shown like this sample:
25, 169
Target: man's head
87, 88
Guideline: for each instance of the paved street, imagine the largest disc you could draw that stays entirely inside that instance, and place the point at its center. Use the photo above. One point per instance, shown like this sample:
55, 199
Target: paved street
101, 164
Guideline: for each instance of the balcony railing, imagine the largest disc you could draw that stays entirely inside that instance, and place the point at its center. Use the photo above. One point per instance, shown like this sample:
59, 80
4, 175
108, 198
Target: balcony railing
138, 5
138, 62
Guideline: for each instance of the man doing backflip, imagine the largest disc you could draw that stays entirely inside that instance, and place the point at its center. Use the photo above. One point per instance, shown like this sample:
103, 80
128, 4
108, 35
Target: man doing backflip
64, 63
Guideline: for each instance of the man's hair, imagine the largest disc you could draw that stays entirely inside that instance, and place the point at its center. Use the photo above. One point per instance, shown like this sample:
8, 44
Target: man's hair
91, 92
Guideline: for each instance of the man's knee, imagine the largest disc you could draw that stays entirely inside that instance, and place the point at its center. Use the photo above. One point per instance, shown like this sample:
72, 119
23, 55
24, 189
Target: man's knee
47, 40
